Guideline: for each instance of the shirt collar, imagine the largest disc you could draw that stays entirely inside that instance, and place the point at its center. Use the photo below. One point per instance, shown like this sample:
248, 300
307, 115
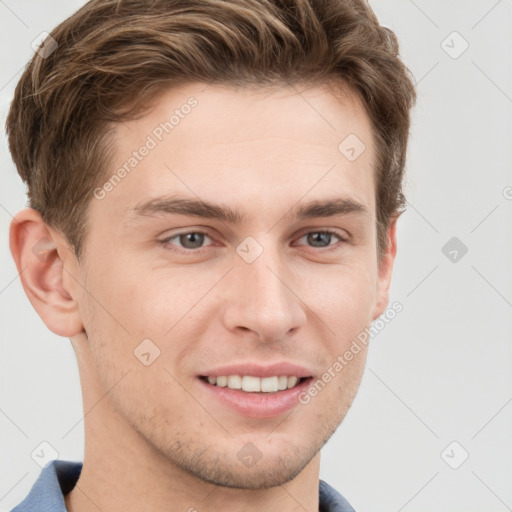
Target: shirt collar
60, 476
55, 480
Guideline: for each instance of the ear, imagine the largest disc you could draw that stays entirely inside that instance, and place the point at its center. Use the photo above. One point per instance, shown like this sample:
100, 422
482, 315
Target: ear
39, 253
386, 270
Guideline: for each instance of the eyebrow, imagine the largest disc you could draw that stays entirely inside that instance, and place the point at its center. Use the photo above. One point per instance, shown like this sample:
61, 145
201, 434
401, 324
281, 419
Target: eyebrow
204, 209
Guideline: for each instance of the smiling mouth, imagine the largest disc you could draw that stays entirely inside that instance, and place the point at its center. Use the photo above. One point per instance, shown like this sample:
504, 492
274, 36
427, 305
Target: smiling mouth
252, 384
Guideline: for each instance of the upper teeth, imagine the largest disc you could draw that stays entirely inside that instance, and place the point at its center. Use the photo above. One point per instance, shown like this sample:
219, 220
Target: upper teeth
254, 384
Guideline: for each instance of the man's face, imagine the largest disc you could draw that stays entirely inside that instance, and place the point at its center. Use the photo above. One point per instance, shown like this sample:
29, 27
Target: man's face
267, 288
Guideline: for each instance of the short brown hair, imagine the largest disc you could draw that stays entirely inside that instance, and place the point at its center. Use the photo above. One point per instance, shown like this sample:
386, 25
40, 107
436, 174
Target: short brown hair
113, 54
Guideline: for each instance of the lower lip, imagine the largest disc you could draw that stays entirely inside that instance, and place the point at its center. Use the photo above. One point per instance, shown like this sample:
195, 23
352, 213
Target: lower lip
257, 405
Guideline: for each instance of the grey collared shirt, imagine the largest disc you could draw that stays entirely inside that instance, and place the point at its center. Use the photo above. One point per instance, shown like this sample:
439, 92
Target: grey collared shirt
60, 476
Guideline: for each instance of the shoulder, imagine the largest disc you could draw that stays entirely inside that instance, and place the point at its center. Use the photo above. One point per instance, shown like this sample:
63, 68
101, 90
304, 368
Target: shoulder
331, 500
47, 494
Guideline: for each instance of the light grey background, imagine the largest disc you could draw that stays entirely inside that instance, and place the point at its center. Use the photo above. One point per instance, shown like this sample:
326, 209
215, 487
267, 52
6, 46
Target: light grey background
439, 372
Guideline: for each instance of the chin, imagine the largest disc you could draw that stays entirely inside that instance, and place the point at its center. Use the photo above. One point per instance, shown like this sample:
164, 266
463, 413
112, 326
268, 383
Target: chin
263, 475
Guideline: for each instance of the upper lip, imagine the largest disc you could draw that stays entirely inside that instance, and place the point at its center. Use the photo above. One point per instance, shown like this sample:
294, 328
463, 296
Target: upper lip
259, 370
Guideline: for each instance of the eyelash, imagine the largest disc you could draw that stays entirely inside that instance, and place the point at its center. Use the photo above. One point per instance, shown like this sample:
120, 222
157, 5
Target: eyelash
166, 241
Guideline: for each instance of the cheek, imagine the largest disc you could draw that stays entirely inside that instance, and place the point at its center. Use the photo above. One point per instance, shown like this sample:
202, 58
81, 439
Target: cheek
134, 300
115, 318
348, 306
125, 306
345, 298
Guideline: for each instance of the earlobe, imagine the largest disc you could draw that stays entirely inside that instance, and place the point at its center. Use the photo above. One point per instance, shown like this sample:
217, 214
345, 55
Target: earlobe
39, 254
386, 270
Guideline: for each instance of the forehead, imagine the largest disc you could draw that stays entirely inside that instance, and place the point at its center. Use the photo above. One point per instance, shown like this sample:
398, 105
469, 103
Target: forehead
260, 148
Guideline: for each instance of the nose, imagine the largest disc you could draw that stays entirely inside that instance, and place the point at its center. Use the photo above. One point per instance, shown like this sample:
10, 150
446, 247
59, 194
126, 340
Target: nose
263, 299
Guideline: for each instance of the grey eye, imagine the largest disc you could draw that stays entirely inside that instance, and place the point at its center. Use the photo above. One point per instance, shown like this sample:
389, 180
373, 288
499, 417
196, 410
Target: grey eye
320, 238
192, 240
